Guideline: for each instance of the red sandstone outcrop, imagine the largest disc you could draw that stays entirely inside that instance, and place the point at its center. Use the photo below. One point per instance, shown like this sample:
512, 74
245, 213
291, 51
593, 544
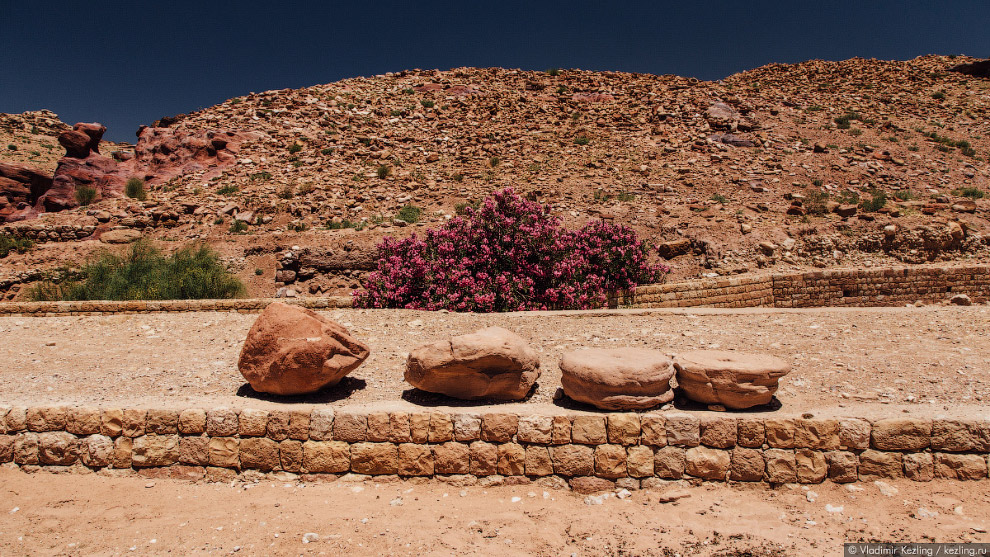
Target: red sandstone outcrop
82, 166
617, 378
163, 153
490, 363
291, 350
20, 188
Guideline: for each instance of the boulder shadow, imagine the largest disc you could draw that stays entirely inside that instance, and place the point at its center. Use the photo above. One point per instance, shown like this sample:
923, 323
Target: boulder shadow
420, 397
682, 402
340, 391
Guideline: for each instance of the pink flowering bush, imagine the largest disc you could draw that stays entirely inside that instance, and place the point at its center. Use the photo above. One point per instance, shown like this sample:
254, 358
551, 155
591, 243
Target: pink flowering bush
508, 255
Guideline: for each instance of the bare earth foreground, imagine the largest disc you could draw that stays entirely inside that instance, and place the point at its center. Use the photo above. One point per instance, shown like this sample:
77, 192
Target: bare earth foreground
862, 362
97, 515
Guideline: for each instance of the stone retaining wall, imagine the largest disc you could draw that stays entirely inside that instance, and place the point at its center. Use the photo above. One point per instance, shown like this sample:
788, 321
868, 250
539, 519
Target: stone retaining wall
593, 451
837, 287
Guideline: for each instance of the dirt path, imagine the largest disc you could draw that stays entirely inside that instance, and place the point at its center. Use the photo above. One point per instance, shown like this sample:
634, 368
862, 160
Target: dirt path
861, 361
98, 515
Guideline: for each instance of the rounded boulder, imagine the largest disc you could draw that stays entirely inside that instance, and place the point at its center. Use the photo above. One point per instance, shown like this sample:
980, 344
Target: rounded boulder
491, 363
735, 380
292, 350
617, 378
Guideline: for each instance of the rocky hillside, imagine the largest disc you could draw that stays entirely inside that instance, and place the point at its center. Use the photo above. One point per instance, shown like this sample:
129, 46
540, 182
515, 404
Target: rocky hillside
859, 162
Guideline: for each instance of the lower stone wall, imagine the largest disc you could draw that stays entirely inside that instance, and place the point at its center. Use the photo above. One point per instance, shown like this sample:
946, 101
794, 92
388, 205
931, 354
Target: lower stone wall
587, 451
251, 305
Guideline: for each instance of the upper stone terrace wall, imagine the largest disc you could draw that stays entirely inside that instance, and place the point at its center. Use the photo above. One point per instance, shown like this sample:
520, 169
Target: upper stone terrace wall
889, 286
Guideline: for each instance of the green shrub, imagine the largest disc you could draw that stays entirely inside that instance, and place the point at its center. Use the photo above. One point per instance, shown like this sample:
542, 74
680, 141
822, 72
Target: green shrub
294, 148
9, 244
135, 189
970, 192
816, 202
426, 103
582, 140
326, 151
877, 200
409, 213
227, 190
904, 195
144, 273
383, 171
263, 176
345, 223
939, 95
493, 162
85, 195
258, 272
11, 147
238, 227
629, 196
553, 72
719, 198
462, 207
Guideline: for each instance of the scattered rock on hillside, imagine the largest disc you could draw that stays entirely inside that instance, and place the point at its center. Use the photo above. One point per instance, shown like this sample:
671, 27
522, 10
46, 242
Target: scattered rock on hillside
617, 378
291, 350
733, 379
490, 363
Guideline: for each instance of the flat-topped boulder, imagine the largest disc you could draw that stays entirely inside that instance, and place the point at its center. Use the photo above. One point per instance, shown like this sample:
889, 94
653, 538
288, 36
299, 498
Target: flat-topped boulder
292, 350
617, 378
733, 379
491, 363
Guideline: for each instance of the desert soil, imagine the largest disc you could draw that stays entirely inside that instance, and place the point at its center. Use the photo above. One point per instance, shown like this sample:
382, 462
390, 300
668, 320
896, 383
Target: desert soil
100, 515
924, 361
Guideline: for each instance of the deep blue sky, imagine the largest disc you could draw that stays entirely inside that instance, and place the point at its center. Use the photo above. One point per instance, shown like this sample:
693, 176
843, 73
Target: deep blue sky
129, 63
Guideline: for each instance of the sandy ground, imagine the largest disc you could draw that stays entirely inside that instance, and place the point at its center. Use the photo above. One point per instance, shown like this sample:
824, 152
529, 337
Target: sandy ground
48, 514
861, 361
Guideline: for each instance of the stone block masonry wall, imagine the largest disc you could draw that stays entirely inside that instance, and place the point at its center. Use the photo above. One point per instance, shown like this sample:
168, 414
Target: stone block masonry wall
836, 287
588, 451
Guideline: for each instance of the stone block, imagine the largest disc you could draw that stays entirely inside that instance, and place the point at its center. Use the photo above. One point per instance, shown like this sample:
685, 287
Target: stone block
919, 467
654, 430
843, 466
290, 455
589, 430
326, 457
719, 432
6, 448
538, 461
162, 421
224, 452
560, 430
378, 427
252, 423
194, 451
781, 432
902, 434
26, 449
415, 460
817, 434
374, 458
350, 427
441, 428
534, 429
590, 484
16, 419
192, 421
221, 422
83, 420
876, 464
610, 461
781, 465
639, 461
452, 458
683, 430
623, 428
573, 460
960, 466
398, 429
47, 418
854, 434
746, 465
300, 424
277, 428
95, 451
467, 427
134, 422
259, 453
321, 424
751, 433
668, 463
511, 459
957, 436
419, 427
484, 459
707, 464
498, 428
811, 466
122, 450
58, 448
155, 450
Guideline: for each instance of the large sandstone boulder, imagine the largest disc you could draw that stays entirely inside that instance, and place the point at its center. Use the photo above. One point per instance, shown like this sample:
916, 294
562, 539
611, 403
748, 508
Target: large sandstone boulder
733, 379
291, 350
490, 363
20, 188
82, 165
617, 378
